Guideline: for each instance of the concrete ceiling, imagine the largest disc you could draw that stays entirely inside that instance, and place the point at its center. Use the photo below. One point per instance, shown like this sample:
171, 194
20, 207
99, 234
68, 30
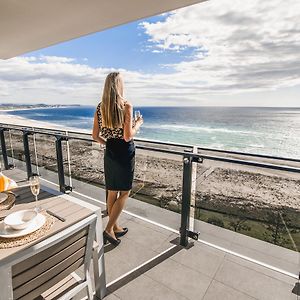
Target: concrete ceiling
34, 24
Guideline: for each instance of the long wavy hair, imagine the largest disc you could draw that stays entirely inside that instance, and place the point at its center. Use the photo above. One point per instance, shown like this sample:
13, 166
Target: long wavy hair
112, 105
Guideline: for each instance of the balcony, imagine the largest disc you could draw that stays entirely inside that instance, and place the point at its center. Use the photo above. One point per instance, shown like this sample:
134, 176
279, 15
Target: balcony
247, 248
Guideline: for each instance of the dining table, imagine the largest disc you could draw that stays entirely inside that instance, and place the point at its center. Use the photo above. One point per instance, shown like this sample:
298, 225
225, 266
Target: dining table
65, 210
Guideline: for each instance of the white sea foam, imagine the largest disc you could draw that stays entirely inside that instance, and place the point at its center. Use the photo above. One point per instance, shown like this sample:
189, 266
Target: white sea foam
257, 145
41, 115
217, 146
192, 128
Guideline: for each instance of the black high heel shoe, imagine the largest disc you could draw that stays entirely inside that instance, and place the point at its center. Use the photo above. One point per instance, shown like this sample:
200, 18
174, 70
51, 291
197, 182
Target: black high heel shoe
121, 233
108, 237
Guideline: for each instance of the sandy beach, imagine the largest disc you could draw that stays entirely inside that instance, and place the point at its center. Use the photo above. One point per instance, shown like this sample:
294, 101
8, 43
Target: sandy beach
242, 191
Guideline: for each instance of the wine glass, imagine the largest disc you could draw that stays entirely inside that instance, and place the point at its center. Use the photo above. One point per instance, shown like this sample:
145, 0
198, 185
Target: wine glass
34, 182
137, 115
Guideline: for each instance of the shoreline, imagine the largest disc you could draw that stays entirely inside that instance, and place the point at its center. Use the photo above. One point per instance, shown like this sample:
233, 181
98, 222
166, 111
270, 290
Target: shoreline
246, 192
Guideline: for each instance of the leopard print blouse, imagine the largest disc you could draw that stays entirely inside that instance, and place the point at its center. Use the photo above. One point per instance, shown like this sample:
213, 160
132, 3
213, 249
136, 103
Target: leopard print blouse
108, 133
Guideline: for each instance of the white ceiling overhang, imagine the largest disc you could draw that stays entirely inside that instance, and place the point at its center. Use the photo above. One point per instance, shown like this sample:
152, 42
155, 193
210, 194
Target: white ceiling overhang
34, 24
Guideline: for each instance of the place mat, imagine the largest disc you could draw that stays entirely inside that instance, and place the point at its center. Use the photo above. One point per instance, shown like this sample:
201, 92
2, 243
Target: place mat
6, 243
3, 197
9, 202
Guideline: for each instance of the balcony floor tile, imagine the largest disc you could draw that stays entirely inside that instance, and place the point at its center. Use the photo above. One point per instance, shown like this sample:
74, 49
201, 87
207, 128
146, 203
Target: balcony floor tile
184, 280
145, 288
253, 283
218, 290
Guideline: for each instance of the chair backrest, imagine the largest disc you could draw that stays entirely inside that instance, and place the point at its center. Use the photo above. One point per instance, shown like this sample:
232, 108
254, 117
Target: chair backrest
35, 275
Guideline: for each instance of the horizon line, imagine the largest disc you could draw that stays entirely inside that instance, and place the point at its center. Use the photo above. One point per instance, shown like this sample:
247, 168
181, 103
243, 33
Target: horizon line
175, 106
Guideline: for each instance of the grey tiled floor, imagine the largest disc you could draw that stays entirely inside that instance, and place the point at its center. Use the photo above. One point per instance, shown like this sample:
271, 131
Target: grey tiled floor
200, 272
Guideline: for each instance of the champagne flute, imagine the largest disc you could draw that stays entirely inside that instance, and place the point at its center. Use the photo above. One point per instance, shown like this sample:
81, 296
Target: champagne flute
137, 115
34, 182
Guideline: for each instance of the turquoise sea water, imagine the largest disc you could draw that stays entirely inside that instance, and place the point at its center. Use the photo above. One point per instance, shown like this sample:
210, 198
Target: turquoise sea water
272, 131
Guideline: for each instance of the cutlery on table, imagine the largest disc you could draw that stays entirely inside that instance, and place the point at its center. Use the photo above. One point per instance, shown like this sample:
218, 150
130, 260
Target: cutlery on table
55, 215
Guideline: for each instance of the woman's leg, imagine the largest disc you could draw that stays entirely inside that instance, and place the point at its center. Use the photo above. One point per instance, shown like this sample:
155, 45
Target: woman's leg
115, 212
111, 198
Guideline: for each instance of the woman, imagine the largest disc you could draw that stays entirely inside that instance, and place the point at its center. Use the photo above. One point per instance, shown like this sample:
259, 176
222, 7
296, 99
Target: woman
114, 127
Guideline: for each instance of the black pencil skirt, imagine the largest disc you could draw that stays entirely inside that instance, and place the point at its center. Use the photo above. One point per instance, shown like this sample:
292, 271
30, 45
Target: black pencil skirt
119, 161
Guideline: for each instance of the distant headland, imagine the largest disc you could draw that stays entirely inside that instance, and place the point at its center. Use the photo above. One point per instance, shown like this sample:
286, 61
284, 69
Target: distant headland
16, 106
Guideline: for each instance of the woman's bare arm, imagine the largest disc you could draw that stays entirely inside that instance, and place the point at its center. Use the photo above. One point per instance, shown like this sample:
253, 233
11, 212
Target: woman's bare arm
96, 131
130, 132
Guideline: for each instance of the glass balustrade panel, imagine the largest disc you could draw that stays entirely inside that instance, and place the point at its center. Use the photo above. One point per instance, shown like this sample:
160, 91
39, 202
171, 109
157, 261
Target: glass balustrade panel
43, 157
250, 211
15, 150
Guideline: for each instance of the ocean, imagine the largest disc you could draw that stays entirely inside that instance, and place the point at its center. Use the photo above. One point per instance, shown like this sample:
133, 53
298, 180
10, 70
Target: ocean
271, 131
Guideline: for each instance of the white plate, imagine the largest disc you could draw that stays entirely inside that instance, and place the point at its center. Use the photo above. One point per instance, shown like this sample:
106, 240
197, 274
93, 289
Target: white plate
8, 232
20, 219
3, 197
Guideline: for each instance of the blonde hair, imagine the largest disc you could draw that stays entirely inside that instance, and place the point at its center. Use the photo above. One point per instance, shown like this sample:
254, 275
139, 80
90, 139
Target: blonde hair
112, 108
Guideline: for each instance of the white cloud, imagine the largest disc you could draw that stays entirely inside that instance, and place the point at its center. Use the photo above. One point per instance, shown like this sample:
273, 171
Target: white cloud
238, 45
56, 59
60, 80
56, 80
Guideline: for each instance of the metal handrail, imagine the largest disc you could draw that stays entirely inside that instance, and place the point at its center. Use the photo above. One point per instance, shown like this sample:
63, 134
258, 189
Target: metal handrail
250, 154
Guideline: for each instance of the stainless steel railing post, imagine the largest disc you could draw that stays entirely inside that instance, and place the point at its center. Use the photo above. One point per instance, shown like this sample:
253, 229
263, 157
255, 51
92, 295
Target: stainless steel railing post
3, 149
186, 200
27, 152
60, 165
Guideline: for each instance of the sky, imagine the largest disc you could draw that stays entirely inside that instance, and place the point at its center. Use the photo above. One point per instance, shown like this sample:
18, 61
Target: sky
216, 53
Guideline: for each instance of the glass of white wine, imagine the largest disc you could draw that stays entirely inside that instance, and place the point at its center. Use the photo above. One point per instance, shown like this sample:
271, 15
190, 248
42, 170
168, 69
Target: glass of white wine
34, 182
137, 114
